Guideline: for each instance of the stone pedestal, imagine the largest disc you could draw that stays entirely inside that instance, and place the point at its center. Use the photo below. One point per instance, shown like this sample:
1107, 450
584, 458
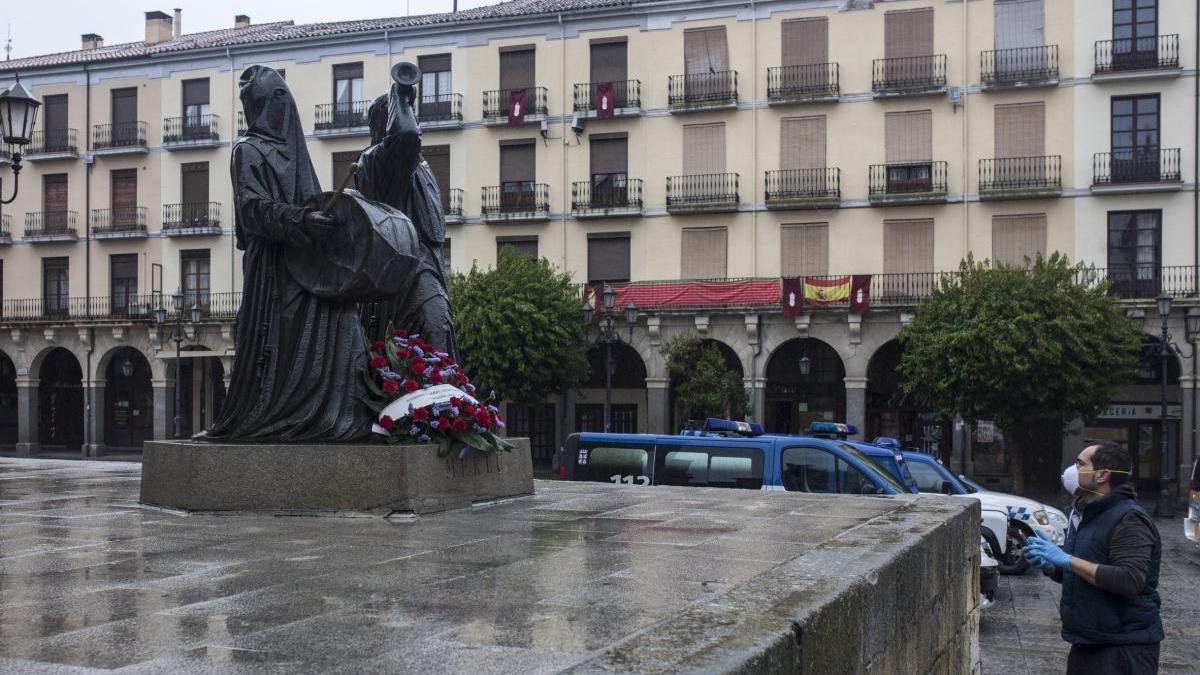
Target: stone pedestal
373, 478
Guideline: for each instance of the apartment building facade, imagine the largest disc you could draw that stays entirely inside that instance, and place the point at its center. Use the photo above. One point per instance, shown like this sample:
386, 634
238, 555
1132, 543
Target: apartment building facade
641, 145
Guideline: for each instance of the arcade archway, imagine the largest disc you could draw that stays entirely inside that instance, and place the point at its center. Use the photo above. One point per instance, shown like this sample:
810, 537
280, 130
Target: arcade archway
890, 413
202, 389
628, 391
60, 401
8, 402
680, 416
795, 399
128, 400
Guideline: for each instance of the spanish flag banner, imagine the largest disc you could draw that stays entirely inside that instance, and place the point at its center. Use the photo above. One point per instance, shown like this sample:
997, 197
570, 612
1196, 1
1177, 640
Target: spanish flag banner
822, 291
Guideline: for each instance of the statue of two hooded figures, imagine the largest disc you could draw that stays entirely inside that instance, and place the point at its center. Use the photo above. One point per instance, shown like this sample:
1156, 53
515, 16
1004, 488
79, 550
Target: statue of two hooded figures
312, 259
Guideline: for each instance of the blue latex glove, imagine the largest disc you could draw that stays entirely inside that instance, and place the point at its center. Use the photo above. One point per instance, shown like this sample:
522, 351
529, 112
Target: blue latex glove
1036, 560
1046, 552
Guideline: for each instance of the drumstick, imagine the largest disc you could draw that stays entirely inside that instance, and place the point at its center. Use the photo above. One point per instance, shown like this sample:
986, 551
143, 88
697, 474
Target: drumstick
345, 182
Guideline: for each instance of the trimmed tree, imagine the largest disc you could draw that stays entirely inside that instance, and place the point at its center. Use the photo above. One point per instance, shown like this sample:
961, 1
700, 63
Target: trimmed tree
1029, 347
707, 386
518, 328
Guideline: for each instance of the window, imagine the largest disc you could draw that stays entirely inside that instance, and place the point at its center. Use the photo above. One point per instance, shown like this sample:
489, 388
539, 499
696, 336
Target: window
614, 463
534, 421
1015, 238
622, 417
517, 175
195, 106
609, 65
853, 480
1135, 138
56, 134
608, 257
908, 246
341, 166
908, 33
1135, 33
1020, 130
804, 249
1018, 24
704, 252
926, 477
54, 201
194, 265
123, 283
193, 179
808, 470
610, 180
438, 157
705, 51
805, 51
347, 90
725, 467
124, 117
55, 288
1134, 252
909, 141
517, 71
123, 198
436, 91
703, 149
520, 245
802, 142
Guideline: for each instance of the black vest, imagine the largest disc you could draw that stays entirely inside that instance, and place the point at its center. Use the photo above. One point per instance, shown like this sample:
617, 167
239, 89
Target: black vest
1094, 616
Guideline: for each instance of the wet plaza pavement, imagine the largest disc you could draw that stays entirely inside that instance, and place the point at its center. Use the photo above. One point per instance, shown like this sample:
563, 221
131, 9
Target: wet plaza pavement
90, 579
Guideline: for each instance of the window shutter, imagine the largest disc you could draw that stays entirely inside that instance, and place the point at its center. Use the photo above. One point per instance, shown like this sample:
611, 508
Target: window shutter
438, 157
609, 62
909, 246
909, 136
123, 193
124, 105
705, 50
341, 165
703, 149
1016, 237
527, 246
56, 114
195, 92
433, 63
908, 32
805, 41
608, 257
54, 192
802, 142
804, 248
517, 162
609, 155
348, 71
517, 69
1020, 130
704, 252
194, 183
1020, 23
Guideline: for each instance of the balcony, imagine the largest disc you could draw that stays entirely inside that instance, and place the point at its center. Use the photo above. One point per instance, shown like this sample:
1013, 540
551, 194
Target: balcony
703, 91
185, 133
1123, 171
606, 195
626, 98
126, 222
903, 183
443, 111
1019, 68
52, 144
119, 139
516, 201
803, 188
5, 229
909, 76
191, 219
1020, 177
118, 307
703, 193
342, 119
815, 83
1136, 58
452, 205
1145, 282
497, 104
45, 226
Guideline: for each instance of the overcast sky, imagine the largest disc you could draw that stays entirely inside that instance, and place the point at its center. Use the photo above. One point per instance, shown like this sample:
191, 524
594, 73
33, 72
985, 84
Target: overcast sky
48, 26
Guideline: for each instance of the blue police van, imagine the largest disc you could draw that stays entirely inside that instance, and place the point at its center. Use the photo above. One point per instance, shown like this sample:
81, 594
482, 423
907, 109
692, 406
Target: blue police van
727, 454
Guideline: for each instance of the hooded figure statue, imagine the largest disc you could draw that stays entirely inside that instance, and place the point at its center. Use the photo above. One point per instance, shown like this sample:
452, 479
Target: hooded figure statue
392, 171
296, 370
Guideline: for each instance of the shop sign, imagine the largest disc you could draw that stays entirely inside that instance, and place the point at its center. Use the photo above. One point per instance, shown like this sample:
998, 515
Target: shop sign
1140, 411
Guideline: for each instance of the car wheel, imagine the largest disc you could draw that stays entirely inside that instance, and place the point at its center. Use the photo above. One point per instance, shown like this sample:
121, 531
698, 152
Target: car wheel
1013, 561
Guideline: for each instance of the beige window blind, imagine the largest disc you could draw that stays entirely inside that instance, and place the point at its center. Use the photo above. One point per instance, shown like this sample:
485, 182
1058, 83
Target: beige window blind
908, 245
909, 136
703, 149
1020, 130
805, 41
802, 142
908, 32
1020, 23
1016, 237
704, 252
705, 50
804, 249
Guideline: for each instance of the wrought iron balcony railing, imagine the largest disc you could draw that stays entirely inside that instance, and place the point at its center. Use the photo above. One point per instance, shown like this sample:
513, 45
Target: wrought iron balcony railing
52, 141
1146, 53
191, 129
496, 102
800, 83
1020, 175
1022, 65
121, 220
606, 191
785, 185
440, 108
120, 135
5, 226
116, 307
341, 116
702, 191
50, 223
625, 94
452, 202
907, 178
191, 215
703, 89
516, 199
909, 74
1152, 165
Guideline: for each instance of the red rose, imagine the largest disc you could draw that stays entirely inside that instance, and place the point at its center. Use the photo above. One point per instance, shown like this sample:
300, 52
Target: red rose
421, 414
411, 385
443, 424
436, 376
377, 346
402, 353
456, 401
390, 387
482, 417
417, 365
378, 362
386, 422
460, 425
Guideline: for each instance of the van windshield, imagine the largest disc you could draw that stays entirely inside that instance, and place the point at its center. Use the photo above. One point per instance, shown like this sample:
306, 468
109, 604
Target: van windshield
882, 472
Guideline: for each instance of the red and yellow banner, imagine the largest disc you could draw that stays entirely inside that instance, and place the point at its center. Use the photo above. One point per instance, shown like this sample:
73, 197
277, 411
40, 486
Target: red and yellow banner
821, 291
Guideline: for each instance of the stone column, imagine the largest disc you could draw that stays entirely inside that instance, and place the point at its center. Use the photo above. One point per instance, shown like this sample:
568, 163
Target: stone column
856, 403
164, 408
658, 405
98, 410
27, 416
755, 390
1187, 437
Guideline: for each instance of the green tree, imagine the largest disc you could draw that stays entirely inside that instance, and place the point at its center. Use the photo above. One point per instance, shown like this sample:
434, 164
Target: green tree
1030, 347
518, 329
708, 386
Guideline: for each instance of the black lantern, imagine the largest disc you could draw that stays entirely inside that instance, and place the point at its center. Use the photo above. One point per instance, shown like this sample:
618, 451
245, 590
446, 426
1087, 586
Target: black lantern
631, 313
160, 314
805, 365
177, 301
127, 368
1164, 304
609, 297
587, 311
18, 112
195, 314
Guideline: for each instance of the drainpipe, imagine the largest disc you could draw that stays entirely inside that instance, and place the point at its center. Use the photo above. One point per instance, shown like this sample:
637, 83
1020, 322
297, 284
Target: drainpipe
754, 370
564, 416
1195, 206
754, 172
966, 210
88, 427
233, 204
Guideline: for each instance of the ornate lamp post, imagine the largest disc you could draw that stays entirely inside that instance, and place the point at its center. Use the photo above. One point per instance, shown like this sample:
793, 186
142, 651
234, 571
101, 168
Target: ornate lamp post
805, 365
18, 112
609, 336
160, 318
1163, 507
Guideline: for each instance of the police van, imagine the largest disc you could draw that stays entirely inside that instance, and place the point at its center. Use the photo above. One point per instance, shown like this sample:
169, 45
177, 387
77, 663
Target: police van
1191, 523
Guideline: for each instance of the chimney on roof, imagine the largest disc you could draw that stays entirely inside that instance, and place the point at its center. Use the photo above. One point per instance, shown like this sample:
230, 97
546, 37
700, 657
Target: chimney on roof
177, 25
158, 27
241, 21
91, 41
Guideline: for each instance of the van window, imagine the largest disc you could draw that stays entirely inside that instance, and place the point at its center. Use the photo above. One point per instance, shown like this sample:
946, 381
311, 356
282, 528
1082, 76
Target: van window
808, 470
610, 463
709, 467
927, 477
854, 481
1196, 476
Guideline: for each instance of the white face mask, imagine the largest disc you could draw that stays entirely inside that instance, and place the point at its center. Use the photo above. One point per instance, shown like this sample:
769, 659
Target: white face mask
1070, 479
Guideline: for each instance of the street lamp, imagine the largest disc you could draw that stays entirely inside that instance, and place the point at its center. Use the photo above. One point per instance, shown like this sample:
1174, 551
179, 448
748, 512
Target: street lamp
1163, 507
609, 336
805, 368
127, 368
177, 303
18, 113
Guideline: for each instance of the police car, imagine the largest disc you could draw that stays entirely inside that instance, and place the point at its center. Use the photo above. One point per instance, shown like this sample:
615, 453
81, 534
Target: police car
1191, 524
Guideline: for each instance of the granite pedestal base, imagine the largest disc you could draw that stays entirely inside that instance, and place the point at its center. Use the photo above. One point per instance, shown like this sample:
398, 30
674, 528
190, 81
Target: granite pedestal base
375, 478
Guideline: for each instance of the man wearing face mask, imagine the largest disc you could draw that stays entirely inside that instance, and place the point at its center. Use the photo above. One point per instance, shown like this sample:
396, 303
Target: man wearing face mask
1108, 568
